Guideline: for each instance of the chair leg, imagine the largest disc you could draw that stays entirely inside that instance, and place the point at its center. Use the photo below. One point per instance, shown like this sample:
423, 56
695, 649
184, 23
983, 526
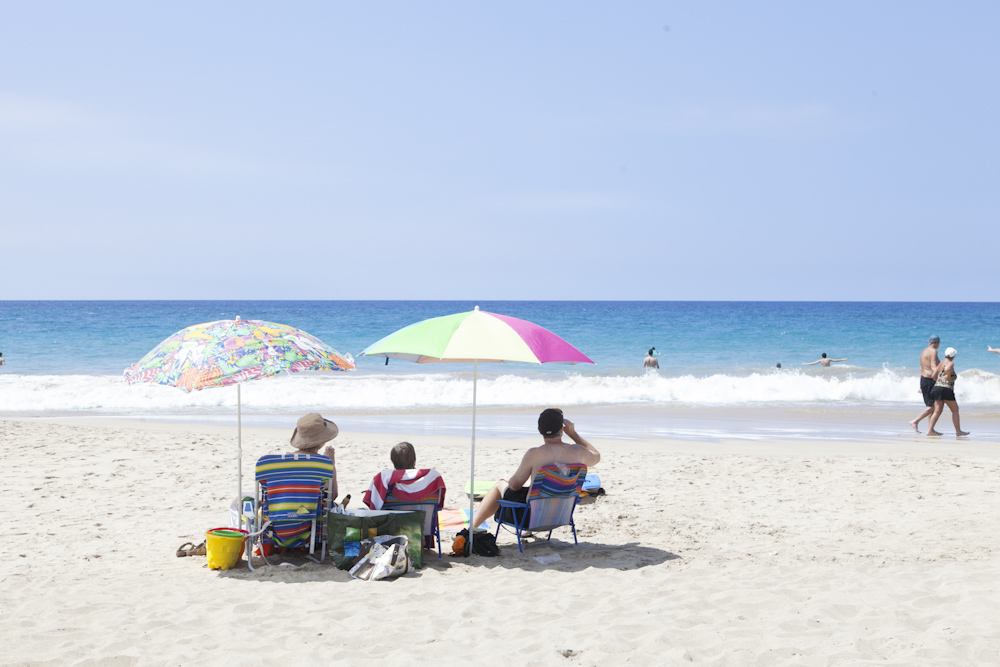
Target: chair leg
549, 538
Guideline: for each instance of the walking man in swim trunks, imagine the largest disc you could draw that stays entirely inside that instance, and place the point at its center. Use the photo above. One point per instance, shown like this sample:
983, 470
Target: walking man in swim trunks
552, 425
928, 362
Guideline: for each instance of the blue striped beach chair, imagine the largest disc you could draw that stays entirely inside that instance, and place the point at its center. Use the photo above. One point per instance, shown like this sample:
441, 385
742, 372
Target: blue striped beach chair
553, 496
429, 505
291, 500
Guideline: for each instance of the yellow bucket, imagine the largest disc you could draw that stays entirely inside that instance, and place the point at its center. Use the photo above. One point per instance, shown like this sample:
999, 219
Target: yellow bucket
224, 547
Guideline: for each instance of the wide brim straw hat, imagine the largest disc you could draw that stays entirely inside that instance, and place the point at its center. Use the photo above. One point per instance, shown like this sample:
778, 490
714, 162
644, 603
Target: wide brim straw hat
312, 431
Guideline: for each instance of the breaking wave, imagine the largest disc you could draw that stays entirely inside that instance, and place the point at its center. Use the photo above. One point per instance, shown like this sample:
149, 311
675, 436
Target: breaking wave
52, 394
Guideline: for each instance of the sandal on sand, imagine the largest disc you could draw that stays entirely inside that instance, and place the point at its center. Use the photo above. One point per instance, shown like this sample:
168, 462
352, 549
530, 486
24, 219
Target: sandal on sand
188, 549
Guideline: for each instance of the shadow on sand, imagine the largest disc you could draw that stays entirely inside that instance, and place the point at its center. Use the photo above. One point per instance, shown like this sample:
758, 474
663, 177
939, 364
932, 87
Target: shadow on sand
572, 558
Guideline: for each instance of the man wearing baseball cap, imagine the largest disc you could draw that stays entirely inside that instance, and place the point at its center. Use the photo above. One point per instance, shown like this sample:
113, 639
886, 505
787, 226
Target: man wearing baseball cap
928, 362
553, 450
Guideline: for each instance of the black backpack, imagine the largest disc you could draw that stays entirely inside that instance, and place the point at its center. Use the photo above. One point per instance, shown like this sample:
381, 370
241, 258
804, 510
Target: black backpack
483, 544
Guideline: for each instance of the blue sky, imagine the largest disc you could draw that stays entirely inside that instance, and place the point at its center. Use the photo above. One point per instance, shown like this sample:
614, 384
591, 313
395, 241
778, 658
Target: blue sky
557, 150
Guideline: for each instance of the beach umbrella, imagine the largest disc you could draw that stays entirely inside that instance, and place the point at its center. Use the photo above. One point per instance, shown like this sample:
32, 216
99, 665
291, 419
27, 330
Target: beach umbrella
227, 352
475, 336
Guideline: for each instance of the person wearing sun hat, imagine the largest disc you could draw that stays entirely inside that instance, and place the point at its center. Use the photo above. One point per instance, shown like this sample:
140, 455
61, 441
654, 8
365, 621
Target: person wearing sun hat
310, 434
944, 392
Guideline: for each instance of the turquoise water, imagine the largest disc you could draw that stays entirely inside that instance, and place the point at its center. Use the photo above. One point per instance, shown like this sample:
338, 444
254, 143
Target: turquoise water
68, 356
103, 337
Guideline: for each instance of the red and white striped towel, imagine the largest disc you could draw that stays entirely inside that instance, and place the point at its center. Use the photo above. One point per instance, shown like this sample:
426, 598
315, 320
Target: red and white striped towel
410, 486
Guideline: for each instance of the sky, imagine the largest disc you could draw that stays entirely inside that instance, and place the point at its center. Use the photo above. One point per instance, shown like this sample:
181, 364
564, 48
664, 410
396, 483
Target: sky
515, 150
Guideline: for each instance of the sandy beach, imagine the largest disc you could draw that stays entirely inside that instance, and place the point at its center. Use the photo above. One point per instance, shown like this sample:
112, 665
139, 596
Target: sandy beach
730, 552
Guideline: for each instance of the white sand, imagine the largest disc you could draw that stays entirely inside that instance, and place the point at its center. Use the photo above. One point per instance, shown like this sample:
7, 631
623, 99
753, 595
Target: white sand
719, 553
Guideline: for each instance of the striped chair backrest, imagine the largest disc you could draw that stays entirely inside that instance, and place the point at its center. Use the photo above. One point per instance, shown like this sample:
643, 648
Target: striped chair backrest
292, 493
428, 505
553, 495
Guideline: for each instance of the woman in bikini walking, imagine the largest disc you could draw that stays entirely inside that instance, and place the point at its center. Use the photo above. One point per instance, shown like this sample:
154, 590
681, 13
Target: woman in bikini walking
944, 392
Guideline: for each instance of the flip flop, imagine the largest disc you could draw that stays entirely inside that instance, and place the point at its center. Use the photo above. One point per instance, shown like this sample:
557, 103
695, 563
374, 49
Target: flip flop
185, 549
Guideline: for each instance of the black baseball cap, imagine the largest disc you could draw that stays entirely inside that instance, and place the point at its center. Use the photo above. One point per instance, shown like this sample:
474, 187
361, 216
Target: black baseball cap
550, 421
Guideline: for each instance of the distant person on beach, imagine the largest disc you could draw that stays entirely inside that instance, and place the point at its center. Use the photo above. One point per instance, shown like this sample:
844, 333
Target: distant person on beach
650, 361
823, 361
928, 363
944, 392
552, 425
4, 363
779, 365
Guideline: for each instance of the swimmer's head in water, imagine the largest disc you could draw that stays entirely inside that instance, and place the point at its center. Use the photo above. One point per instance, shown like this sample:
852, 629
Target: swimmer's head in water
824, 355
651, 351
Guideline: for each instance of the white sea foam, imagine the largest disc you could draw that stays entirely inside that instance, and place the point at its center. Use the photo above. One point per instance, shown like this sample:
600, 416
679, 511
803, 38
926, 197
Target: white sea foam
40, 394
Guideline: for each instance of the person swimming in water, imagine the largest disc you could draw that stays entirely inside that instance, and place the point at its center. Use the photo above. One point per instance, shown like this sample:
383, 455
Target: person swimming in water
651, 361
823, 361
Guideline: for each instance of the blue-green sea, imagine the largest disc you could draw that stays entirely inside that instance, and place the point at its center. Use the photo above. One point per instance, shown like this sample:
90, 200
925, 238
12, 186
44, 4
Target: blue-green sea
67, 357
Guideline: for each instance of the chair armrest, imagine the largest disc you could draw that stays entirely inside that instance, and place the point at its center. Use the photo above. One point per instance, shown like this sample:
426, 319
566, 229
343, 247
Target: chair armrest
511, 504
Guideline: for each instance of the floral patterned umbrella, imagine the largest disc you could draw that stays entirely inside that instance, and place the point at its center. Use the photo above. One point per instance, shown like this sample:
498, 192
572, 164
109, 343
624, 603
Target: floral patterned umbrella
216, 354
225, 352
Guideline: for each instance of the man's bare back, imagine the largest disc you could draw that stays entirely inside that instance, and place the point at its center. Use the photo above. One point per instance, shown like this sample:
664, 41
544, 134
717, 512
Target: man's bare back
553, 451
928, 361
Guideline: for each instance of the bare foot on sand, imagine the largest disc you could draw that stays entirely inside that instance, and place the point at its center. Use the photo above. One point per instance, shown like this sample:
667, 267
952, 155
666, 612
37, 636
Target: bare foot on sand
914, 425
933, 433
961, 433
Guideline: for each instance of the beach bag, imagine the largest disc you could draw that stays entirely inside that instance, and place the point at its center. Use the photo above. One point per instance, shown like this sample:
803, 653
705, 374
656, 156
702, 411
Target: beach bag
384, 557
484, 544
345, 532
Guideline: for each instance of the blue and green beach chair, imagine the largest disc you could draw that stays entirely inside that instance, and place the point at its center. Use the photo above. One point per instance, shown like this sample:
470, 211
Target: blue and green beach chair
553, 496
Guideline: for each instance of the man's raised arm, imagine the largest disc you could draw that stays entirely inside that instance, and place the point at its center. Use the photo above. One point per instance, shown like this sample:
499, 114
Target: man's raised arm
593, 456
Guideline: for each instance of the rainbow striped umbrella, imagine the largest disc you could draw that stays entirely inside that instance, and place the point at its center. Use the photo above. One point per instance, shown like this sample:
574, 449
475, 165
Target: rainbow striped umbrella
226, 352
473, 337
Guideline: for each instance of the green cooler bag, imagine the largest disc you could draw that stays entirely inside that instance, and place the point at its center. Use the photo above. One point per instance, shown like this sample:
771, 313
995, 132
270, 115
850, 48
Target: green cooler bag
344, 529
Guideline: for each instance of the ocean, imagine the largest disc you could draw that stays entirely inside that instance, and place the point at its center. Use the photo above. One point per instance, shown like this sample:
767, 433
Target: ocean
65, 358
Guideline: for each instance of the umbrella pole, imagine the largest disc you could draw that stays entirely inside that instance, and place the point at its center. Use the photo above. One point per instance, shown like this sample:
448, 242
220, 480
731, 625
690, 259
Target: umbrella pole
239, 451
472, 468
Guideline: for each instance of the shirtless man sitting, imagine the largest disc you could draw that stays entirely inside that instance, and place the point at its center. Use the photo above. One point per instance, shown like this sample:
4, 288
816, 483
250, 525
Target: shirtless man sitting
928, 362
551, 425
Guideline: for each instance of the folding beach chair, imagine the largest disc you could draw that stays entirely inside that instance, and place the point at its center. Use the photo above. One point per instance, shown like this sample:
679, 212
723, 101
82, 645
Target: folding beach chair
290, 495
429, 505
553, 496
410, 490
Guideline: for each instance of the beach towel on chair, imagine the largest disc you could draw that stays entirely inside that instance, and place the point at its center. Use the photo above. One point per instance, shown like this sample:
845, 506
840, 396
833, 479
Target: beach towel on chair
404, 486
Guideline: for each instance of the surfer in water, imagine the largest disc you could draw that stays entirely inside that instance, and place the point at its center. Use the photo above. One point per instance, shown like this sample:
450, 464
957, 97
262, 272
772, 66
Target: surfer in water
651, 361
823, 361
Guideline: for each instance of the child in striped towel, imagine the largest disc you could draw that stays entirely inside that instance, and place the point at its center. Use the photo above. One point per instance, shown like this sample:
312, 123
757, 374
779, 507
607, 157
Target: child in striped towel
406, 483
